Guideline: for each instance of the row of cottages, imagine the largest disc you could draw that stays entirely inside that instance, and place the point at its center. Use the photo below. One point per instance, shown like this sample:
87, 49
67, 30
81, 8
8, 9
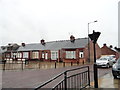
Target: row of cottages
73, 50
109, 50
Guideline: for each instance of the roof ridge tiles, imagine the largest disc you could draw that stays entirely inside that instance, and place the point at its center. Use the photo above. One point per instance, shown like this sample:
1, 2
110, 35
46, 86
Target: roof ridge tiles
57, 41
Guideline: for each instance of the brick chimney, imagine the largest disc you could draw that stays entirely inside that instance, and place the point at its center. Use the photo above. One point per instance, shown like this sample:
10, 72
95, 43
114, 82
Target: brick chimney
72, 38
43, 42
23, 44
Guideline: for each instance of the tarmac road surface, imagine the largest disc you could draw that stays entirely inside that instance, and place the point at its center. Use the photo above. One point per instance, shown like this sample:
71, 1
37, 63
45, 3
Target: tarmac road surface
33, 78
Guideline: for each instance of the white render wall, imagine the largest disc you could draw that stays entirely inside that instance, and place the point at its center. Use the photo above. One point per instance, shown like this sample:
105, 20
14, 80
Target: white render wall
119, 24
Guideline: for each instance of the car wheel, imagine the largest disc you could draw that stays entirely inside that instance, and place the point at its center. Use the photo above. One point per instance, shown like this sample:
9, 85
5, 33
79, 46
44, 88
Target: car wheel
108, 65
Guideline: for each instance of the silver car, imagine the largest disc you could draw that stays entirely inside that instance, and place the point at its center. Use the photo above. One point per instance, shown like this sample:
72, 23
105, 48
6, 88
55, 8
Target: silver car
105, 61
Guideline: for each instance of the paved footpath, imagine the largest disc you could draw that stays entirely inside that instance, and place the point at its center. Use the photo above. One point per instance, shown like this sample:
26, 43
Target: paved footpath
33, 78
107, 81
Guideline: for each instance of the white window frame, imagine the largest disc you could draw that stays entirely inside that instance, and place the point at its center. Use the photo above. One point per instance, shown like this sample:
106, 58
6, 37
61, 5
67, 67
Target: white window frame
19, 55
14, 55
54, 55
46, 55
43, 55
35, 54
11, 55
70, 54
25, 54
81, 54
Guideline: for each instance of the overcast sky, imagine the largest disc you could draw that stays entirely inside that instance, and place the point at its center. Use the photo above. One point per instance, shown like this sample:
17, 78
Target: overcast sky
29, 21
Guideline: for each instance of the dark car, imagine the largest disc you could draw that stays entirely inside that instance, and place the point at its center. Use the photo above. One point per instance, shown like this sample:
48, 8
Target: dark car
116, 69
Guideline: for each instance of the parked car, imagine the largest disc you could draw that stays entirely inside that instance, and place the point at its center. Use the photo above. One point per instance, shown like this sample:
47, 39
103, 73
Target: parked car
116, 69
105, 61
113, 58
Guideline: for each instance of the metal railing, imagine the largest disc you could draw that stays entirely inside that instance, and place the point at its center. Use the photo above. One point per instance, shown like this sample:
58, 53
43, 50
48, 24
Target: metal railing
71, 79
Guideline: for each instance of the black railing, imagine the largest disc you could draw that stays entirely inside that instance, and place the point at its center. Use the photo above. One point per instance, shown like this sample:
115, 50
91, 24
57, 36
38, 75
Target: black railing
71, 79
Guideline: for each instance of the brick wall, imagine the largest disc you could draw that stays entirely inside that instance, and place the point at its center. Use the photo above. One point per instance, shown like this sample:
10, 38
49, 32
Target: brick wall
98, 52
107, 51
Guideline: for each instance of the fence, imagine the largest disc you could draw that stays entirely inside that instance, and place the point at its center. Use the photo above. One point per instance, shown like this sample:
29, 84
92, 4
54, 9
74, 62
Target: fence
70, 79
21, 65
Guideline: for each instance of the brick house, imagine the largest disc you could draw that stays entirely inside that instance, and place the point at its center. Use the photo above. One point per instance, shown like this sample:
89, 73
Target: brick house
9, 51
105, 50
73, 50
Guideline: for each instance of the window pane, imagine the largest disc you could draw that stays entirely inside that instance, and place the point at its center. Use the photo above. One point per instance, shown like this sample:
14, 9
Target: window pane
71, 54
42, 55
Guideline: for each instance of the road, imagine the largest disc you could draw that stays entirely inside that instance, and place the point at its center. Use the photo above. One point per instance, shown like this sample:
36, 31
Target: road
33, 78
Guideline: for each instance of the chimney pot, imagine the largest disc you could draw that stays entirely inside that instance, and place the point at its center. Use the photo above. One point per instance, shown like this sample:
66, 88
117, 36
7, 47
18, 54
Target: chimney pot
23, 44
43, 42
111, 46
72, 38
104, 44
9, 44
115, 48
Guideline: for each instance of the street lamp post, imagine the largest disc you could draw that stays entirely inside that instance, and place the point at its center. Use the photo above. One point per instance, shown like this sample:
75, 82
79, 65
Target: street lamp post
88, 41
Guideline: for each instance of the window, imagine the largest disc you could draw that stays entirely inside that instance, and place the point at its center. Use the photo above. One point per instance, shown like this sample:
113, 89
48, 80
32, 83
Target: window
71, 54
8, 55
19, 55
42, 54
81, 54
14, 55
46, 55
54, 55
25, 54
35, 54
